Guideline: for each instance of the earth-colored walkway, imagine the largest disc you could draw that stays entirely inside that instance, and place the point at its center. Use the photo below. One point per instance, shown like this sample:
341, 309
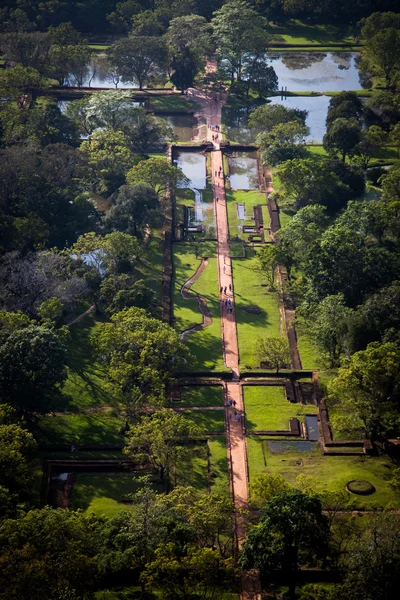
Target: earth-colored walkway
211, 107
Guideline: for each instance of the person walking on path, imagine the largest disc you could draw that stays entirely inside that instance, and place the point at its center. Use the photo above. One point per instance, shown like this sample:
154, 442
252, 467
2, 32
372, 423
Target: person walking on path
225, 290
220, 290
230, 287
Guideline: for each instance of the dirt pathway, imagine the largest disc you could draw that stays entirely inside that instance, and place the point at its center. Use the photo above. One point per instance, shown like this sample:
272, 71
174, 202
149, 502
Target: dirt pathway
211, 108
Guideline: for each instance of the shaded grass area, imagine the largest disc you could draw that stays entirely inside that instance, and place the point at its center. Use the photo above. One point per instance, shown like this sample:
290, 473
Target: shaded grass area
331, 473
149, 268
81, 428
101, 493
172, 102
206, 344
298, 32
249, 292
219, 465
268, 409
309, 353
207, 395
86, 382
207, 420
250, 199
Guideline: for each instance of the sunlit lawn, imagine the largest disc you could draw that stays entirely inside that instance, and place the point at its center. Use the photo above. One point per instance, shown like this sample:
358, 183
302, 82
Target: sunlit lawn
297, 32
267, 408
330, 472
219, 465
250, 199
205, 345
249, 292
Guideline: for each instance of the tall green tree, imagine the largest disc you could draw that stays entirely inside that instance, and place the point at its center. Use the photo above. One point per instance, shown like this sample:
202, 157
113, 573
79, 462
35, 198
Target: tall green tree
50, 553
142, 356
342, 137
32, 368
292, 532
139, 59
158, 174
136, 210
367, 390
382, 55
238, 31
162, 440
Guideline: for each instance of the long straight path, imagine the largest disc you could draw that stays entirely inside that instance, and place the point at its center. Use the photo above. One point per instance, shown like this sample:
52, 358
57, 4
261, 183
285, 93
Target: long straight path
211, 109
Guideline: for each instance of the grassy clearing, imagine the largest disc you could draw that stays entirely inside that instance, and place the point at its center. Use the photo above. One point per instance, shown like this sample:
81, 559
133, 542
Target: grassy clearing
207, 395
206, 344
250, 199
267, 408
209, 420
250, 293
81, 428
330, 472
219, 465
297, 32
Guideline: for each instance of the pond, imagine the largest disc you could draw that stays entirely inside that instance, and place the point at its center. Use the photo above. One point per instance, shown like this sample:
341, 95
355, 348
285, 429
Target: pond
236, 120
62, 104
281, 447
312, 428
243, 171
100, 80
317, 72
317, 112
183, 125
193, 165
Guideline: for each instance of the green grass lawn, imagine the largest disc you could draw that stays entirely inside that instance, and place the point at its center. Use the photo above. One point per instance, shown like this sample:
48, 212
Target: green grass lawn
149, 267
201, 395
267, 408
208, 420
86, 384
81, 428
309, 353
206, 344
250, 198
219, 472
173, 102
101, 493
297, 32
249, 292
330, 472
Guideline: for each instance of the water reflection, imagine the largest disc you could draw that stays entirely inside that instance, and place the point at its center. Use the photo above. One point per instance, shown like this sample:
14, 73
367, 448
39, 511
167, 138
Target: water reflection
193, 165
182, 125
309, 71
236, 120
243, 171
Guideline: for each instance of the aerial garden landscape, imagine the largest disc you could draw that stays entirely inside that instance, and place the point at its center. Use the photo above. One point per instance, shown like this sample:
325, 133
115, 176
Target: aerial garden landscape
199, 300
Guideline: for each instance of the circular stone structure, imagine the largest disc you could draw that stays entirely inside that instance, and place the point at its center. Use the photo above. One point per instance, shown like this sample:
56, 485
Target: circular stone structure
360, 487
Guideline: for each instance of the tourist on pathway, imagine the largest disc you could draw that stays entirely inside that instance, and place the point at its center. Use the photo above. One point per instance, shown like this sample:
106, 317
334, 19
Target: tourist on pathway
225, 290
220, 290
230, 287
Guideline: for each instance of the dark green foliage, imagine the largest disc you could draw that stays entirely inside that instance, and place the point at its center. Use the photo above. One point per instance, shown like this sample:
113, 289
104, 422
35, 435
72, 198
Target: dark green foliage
292, 532
32, 368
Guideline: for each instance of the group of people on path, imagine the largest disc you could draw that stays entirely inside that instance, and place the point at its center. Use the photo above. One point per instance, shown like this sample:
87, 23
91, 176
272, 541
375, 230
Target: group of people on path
236, 414
218, 173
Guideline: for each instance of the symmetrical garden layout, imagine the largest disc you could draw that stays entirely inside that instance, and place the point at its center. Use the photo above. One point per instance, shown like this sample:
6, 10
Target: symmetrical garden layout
215, 295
